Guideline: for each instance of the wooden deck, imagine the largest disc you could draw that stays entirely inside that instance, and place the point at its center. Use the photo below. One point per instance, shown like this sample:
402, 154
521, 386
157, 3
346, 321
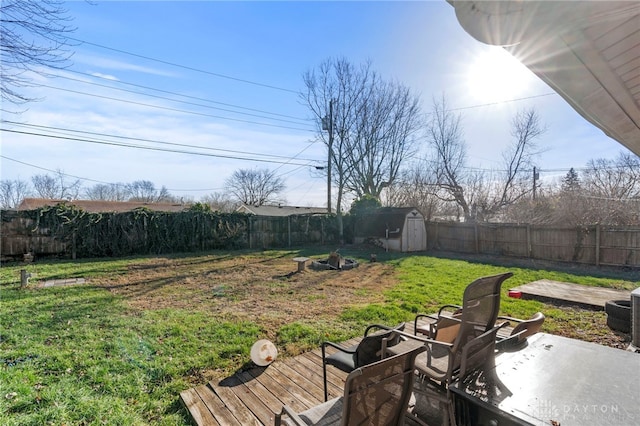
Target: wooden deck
252, 397
576, 294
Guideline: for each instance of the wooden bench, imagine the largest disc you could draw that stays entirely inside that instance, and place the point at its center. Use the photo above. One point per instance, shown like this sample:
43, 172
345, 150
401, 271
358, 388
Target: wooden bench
302, 262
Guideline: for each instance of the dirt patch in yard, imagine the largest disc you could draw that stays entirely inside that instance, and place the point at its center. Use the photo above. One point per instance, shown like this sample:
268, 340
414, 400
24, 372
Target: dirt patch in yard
269, 291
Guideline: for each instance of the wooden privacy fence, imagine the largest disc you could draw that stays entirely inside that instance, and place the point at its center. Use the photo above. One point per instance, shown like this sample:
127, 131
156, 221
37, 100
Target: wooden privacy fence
277, 231
593, 245
67, 232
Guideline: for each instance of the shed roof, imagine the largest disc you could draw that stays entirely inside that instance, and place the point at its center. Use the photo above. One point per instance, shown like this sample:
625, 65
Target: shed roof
98, 206
281, 210
376, 223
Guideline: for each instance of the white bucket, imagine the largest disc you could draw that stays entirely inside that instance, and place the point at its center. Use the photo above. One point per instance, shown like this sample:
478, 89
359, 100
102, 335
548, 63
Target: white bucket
263, 352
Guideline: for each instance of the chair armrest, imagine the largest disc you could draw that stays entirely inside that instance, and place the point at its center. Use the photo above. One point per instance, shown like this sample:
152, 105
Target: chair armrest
376, 327
502, 317
425, 340
433, 317
439, 314
444, 307
291, 414
336, 346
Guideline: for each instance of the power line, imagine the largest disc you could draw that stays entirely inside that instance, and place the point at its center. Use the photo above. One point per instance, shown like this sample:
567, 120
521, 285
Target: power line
503, 102
98, 181
152, 148
118, 81
56, 171
155, 141
173, 109
185, 67
176, 100
484, 170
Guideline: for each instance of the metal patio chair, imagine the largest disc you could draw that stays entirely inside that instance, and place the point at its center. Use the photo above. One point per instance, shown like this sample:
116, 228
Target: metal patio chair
471, 346
368, 350
483, 295
375, 394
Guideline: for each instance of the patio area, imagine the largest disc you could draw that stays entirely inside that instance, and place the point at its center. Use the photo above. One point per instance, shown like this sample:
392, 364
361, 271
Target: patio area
512, 392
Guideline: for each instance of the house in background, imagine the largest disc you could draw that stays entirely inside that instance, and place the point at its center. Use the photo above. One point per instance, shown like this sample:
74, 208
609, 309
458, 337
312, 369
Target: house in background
281, 211
99, 206
400, 229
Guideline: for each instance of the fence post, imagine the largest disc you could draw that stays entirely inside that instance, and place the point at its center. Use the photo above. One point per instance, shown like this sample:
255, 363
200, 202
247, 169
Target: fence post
598, 244
436, 241
74, 251
529, 248
475, 235
289, 230
24, 278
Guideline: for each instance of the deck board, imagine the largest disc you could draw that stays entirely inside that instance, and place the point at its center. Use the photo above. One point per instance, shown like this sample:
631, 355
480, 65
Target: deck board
589, 297
238, 409
197, 407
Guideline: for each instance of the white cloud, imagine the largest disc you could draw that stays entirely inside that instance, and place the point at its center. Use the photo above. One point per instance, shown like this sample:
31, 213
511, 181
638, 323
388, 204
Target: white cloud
96, 61
104, 76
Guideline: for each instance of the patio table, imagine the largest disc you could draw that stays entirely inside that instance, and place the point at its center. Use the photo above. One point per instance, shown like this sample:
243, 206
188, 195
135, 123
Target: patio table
554, 380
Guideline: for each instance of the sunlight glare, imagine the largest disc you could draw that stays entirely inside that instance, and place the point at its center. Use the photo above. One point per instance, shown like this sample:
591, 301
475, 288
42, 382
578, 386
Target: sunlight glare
496, 76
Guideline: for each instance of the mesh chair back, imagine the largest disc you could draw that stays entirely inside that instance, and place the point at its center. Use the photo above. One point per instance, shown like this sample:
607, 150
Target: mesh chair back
369, 349
480, 307
378, 393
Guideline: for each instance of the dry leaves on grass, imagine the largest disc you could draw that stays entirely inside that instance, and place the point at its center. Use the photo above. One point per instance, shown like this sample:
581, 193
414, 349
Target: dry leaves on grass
269, 292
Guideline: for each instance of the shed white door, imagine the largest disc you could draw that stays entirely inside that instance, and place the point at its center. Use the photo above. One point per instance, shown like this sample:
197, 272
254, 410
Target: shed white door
416, 234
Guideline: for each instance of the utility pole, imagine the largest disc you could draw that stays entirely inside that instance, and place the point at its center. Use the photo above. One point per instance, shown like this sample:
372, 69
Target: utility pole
536, 176
327, 124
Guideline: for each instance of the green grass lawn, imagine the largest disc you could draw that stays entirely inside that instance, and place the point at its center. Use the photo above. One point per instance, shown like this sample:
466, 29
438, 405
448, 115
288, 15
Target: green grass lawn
81, 355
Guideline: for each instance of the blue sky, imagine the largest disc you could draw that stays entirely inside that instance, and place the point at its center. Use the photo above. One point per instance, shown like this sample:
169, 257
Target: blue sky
249, 57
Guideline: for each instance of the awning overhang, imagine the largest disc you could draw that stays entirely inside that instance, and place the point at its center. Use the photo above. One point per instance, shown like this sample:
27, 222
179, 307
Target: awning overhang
587, 51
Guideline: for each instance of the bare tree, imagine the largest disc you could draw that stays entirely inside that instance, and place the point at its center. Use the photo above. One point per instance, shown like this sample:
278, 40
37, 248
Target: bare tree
220, 202
616, 179
445, 135
372, 126
385, 135
482, 195
32, 36
255, 186
515, 182
107, 192
12, 192
145, 191
417, 188
56, 187
611, 190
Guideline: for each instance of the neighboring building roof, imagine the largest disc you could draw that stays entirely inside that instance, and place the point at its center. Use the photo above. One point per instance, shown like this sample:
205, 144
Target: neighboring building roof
101, 206
376, 223
281, 210
587, 51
